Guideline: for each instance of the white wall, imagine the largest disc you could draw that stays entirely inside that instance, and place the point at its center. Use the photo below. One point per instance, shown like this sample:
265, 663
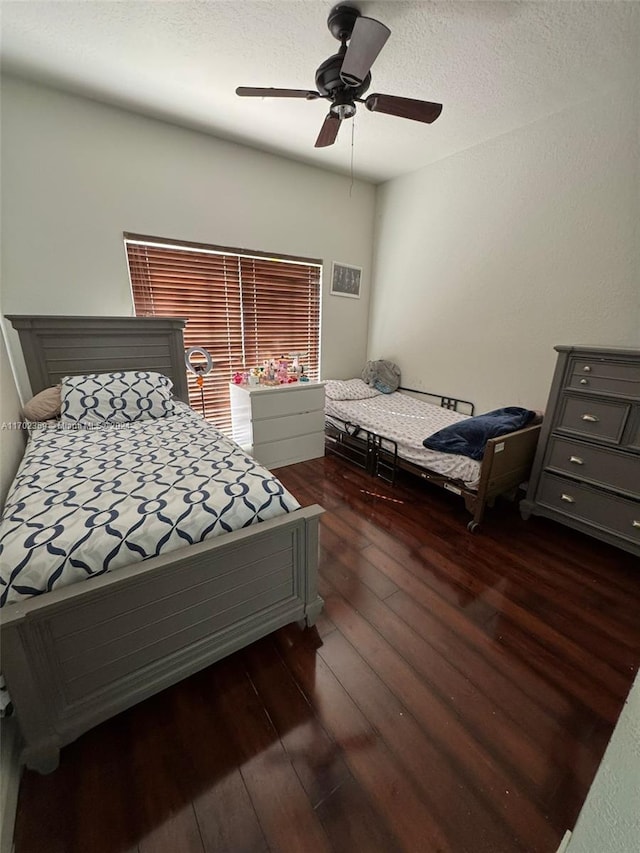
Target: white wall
487, 259
610, 817
483, 261
12, 441
76, 174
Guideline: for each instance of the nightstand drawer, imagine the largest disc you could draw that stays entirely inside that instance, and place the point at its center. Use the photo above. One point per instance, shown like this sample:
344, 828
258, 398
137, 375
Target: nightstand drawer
594, 418
620, 471
273, 429
608, 377
275, 454
584, 503
290, 400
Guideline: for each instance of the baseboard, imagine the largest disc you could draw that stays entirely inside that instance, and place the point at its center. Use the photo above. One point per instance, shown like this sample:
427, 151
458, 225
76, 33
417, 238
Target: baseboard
10, 742
565, 842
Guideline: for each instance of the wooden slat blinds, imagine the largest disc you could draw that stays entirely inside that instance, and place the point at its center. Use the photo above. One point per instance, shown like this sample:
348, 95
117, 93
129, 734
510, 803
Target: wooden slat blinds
242, 309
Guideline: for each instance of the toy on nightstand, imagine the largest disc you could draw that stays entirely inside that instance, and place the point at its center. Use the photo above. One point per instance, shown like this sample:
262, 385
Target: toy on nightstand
295, 357
282, 374
269, 372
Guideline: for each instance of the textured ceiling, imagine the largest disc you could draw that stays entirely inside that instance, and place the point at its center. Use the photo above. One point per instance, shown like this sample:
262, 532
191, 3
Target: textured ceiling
495, 66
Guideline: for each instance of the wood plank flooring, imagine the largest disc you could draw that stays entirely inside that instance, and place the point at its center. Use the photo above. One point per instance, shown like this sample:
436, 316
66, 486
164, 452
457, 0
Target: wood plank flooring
457, 694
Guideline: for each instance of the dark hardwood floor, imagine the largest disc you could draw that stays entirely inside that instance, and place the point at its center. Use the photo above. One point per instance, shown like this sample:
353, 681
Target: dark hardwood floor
457, 694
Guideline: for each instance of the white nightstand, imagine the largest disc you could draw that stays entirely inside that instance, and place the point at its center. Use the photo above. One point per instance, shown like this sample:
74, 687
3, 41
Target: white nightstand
280, 424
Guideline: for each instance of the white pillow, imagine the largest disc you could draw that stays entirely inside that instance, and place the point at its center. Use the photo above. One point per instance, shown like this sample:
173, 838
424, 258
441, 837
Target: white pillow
115, 398
349, 389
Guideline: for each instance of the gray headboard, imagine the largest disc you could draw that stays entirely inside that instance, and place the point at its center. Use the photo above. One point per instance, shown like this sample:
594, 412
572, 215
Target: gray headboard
54, 347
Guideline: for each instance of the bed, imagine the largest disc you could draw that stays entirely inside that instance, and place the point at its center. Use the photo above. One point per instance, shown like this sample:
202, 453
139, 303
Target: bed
89, 648
383, 434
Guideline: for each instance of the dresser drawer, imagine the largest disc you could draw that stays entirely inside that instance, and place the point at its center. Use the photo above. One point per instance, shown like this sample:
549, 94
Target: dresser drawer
275, 454
273, 429
585, 503
594, 418
632, 436
275, 402
620, 471
609, 377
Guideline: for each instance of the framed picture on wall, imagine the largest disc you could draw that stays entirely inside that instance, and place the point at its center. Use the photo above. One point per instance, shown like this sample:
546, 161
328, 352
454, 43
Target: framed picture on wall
345, 280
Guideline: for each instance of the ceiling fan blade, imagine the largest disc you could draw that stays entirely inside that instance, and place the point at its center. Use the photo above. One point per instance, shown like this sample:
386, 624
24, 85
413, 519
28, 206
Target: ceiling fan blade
403, 107
251, 92
367, 40
328, 131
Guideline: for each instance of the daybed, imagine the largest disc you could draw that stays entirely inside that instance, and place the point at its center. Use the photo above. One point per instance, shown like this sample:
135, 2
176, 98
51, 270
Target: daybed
383, 433
80, 653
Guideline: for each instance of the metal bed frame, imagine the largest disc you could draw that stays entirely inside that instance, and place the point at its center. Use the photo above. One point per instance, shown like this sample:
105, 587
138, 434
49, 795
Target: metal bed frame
506, 463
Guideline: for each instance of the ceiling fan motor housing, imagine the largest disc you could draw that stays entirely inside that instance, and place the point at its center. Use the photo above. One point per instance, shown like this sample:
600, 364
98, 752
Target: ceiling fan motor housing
329, 82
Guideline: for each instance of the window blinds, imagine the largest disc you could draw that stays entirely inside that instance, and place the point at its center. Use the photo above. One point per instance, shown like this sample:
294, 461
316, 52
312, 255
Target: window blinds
242, 308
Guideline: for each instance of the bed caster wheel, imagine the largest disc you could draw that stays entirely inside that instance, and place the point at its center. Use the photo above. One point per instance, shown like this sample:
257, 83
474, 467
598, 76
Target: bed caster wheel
473, 526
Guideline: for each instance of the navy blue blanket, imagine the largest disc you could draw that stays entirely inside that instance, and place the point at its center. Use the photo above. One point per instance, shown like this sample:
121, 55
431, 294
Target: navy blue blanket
469, 437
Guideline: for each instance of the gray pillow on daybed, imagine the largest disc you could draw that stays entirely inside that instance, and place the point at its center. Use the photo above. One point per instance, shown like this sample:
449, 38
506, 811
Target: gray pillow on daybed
382, 374
469, 437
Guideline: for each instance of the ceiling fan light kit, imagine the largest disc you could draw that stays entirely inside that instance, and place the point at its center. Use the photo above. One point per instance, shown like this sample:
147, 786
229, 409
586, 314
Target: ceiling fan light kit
344, 77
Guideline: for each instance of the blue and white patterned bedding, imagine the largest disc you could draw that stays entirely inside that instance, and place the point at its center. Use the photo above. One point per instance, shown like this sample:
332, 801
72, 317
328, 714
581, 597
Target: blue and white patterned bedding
87, 501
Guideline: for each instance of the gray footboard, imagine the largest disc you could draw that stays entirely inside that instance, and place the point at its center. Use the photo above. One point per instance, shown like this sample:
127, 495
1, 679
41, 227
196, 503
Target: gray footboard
76, 657
506, 464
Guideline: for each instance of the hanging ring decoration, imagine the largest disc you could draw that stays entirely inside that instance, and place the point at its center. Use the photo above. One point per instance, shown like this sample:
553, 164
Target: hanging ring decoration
199, 368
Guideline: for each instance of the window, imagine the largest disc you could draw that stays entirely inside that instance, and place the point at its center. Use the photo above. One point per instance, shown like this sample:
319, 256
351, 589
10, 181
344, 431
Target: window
242, 307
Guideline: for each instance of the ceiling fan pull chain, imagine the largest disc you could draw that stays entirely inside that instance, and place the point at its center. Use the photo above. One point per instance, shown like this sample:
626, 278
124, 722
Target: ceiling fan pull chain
353, 130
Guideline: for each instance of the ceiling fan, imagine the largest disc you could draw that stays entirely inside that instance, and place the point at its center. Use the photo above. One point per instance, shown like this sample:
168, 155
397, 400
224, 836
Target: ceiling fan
344, 77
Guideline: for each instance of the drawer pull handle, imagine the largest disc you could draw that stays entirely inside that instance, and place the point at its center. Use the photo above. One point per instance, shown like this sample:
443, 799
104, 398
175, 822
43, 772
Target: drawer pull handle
591, 418
568, 499
576, 460
586, 368
635, 523
584, 381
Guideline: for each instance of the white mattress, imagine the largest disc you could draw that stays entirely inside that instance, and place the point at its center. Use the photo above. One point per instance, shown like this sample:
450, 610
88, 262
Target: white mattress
408, 421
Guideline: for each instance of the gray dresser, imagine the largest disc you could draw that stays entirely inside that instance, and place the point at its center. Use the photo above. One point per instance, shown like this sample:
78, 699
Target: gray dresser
586, 472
